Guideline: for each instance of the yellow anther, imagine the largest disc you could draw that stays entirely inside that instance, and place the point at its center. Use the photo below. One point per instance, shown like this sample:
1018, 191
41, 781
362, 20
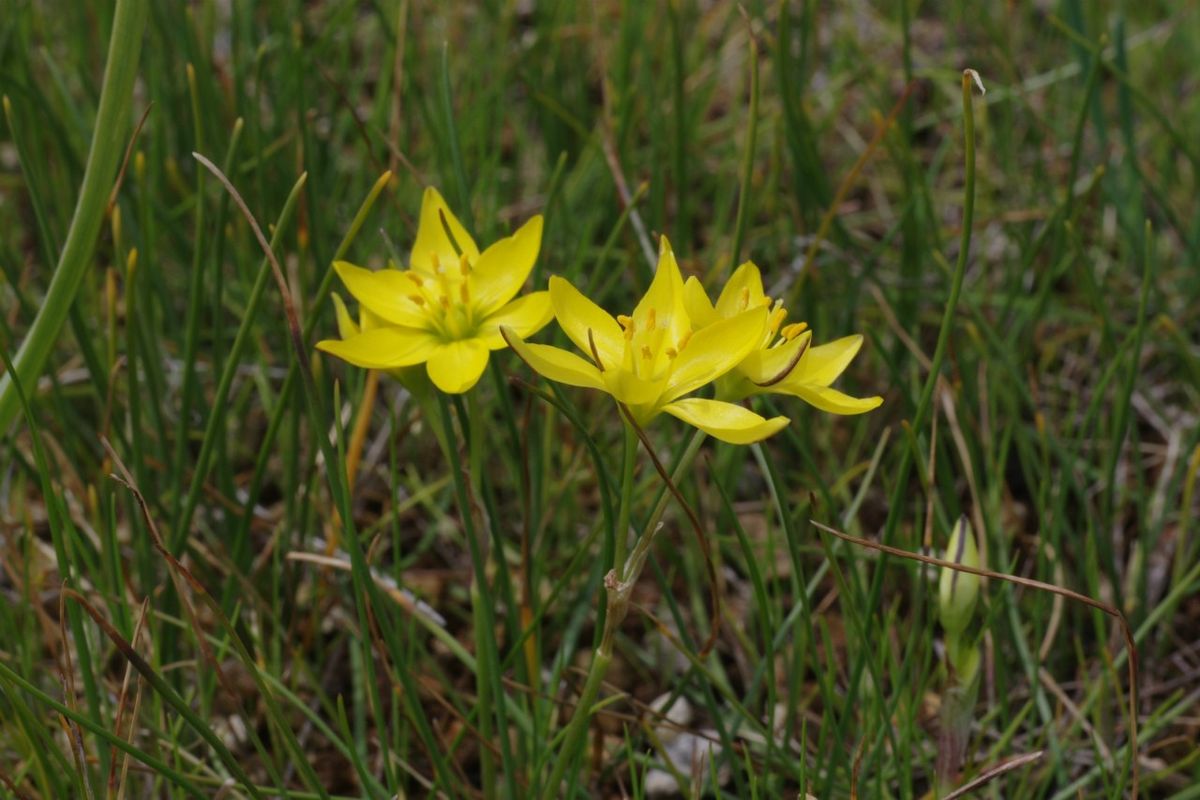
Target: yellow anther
437, 263
416, 298
652, 319
445, 301
464, 293
671, 352
776, 318
624, 321
683, 341
464, 266
745, 298
646, 354
795, 329
415, 278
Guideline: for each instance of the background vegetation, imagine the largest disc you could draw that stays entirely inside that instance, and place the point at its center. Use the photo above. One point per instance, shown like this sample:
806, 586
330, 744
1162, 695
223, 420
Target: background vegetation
1064, 425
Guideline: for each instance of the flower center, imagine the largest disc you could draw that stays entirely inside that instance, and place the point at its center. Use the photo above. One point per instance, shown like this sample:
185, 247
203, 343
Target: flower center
445, 295
649, 350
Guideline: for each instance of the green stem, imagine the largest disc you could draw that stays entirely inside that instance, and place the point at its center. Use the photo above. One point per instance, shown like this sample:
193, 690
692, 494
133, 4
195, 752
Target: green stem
108, 145
964, 247
739, 229
617, 603
479, 596
624, 511
487, 675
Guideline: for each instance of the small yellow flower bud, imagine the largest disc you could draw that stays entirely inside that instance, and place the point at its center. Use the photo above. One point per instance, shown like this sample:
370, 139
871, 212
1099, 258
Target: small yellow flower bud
959, 591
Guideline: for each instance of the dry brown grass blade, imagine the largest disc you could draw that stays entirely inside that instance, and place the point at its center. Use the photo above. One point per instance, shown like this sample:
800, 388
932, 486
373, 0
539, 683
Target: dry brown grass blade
848, 181
178, 572
137, 131
120, 715
705, 547
1016, 762
1112, 611
12, 787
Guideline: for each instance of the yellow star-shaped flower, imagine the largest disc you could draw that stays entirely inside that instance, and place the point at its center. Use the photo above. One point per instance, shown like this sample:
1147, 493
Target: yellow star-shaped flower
648, 361
446, 310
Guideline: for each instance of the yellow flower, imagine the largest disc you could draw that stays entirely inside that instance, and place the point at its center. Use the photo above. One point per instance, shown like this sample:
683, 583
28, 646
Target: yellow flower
446, 310
784, 360
650, 359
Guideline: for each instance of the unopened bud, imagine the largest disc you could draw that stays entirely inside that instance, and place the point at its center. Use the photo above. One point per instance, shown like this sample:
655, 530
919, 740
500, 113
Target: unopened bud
957, 590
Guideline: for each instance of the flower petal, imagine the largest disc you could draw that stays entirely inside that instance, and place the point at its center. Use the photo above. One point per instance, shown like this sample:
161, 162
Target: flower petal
346, 325
743, 290
632, 390
768, 366
832, 400
554, 363
432, 241
525, 316
387, 293
664, 297
714, 350
695, 300
455, 367
577, 315
725, 421
823, 364
499, 272
382, 348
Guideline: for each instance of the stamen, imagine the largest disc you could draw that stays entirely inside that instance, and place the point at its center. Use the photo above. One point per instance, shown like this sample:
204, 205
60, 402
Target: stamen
624, 321
646, 354
776, 319
629, 330
671, 352
415, 278
464, 294
790, 332
464, 266
683, 341
437, 263
744, 302
652, 319
445, 301
416, 298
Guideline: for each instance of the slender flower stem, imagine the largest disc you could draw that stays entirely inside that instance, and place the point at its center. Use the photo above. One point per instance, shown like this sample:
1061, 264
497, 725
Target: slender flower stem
479, 596
628, 462
487, 675
618, 584
108, 144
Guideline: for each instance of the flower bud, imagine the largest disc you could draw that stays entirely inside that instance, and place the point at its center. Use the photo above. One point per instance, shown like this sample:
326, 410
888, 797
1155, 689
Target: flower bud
958, 591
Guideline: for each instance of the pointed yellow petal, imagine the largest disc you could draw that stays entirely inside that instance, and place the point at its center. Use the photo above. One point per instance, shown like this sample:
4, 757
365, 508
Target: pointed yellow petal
725, 421
524, 316
386, 293
771, 365
699, 307
743, 290
498, 274
821, 365
714, 350
576, 315
456, 366
832, 400
432, 240
346, 325
664, 297
382, 348
554, 363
